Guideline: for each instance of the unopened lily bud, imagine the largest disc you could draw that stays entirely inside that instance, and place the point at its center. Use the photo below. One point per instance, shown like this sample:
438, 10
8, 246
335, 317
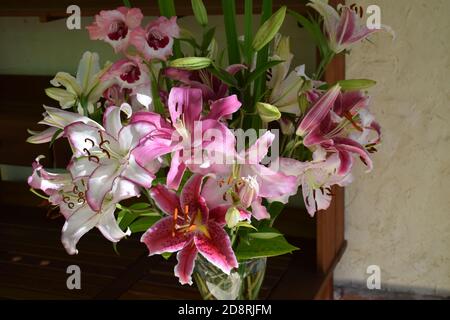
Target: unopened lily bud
232, 217
200, 12
287, 127
356, 84
268, 112
191, 63
213, 49
269, 29
283, 49
248, 189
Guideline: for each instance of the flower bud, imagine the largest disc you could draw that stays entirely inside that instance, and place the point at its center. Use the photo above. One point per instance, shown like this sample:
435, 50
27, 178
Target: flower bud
356, 84
287, 127
232, 217
269, 29
200, 12
268, 112
191, 63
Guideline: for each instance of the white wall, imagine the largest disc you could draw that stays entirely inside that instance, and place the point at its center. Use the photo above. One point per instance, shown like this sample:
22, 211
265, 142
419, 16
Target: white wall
398, 216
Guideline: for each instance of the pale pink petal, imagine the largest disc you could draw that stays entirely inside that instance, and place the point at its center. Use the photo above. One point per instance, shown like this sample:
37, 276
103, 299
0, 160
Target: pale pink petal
132, 135
108, 226
84, 137
259, 211
224, 107
186, 262
346, 26
160, 238
124, 189
134, 17
167, 200
81, 167
214, 190
112, 119
137, 174
216, 248
44, 136
256, 153
176, 171
100, 183
78, 224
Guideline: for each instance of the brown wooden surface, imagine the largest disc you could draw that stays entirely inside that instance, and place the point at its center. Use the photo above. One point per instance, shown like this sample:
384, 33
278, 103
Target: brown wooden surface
50, 9
330, 223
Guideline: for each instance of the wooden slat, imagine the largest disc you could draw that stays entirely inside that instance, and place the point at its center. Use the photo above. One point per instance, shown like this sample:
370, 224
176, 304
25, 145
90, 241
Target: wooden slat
49, 10
330, 223
21, 108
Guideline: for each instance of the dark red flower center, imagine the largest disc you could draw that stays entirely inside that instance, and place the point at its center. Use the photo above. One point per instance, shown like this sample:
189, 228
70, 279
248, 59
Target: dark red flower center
156, 40
117, 31
131, 75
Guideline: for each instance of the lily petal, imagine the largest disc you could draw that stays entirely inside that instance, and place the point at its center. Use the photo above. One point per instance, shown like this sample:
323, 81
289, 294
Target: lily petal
159, 238
100, 183
186, 262
109, 228
78, 224
167, 200
216, 248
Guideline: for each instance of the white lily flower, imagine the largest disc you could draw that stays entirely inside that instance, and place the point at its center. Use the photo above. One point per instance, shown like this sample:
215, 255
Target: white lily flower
84, 91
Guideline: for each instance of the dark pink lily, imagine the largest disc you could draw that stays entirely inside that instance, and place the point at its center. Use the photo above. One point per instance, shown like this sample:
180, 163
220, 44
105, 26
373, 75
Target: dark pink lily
343, 29
332, 125
190, 228
188, 132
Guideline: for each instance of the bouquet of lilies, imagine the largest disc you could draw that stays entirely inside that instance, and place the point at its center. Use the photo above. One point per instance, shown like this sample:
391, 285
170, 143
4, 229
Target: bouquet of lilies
173, 124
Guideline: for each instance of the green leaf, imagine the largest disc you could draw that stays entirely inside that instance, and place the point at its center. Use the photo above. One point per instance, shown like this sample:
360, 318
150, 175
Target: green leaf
223, 76
200, 12
166, 255
356, 84
269, 29
258, 248
313, 28
207, 38
127, 217
143, 224
244, 224
140, 206
55, 135
248, 31
229, 14
265, 233
261, 70
275, 208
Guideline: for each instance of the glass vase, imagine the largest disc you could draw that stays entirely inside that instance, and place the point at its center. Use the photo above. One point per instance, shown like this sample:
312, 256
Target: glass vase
243, 283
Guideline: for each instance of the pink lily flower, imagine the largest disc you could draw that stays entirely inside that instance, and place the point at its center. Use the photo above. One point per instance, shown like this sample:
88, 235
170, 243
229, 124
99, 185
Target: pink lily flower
246, 183
156, 40
191, 227
129, 73
190, 137
343, 29
316, 178
115, 26
318, 111
70, 196
106, 155
332, 133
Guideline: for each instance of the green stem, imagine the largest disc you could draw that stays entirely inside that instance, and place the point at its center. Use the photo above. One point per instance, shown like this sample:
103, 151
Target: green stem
127, 3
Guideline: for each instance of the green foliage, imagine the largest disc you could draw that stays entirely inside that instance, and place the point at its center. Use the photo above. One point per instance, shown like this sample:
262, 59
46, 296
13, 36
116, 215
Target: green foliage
229, 14
258, 248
